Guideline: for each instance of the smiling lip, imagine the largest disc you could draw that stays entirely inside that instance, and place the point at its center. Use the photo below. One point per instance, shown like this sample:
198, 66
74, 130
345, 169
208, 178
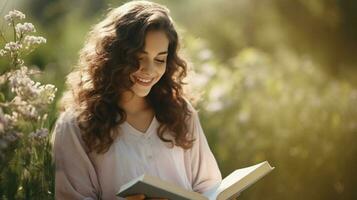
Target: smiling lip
143, 81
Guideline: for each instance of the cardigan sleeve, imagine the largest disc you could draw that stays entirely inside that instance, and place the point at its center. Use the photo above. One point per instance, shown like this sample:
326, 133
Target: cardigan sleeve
75, 175
203, 170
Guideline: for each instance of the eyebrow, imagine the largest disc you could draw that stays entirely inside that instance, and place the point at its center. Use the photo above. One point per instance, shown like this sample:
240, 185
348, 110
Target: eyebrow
161, 53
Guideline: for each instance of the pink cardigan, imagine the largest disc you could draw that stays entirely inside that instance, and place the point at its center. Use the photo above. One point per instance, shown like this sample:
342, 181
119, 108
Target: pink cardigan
80, 175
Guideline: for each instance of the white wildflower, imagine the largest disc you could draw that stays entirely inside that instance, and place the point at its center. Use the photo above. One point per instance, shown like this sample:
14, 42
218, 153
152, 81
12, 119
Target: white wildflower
45, 116
36, 95
20, 62
14, 15
18, 101
34, 40
45, 96
12, 46
13, 118
24, 28
3, 52
3, 122
19, 79
2, 79
24, 108
28, 112
39, 134
49, 93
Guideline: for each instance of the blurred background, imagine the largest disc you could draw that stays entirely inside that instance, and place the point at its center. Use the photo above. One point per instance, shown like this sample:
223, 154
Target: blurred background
277, 80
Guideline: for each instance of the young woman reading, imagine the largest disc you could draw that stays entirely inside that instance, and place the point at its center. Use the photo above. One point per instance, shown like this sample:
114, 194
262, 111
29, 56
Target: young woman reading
125, 113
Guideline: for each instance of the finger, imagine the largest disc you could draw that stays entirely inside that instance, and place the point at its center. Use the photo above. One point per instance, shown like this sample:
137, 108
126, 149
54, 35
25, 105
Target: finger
135, 197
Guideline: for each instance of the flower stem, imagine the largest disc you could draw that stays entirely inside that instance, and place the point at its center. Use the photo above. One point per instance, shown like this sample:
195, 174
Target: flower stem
13, 26
3, 37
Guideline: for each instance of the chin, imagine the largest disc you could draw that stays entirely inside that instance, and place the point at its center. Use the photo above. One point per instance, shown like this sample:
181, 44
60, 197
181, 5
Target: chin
141, 93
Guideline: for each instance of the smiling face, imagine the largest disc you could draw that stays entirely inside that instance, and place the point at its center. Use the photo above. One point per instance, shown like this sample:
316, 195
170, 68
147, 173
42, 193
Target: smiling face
152, 63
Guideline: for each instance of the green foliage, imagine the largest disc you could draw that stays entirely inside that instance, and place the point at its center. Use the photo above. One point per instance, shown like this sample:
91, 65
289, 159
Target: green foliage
26, 167
28, 171
285, 109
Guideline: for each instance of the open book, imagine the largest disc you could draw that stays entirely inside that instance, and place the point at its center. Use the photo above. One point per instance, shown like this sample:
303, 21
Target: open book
230, 187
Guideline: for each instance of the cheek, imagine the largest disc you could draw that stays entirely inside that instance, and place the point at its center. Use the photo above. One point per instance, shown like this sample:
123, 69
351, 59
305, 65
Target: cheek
131, 77
159, 73
161, 70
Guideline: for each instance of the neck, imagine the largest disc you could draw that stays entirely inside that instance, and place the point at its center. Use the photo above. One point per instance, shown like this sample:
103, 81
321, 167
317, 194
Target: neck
132, 103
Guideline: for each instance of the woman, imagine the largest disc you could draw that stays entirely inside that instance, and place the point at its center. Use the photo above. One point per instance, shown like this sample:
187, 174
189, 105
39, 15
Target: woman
125, 113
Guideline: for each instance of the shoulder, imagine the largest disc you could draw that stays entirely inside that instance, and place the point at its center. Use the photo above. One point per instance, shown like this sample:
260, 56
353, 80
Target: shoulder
67, 137
190, 106
192, 120
66, 126
69, 117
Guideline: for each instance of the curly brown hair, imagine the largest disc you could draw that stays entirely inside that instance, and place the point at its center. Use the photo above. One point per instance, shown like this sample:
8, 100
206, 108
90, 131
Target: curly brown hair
105, 63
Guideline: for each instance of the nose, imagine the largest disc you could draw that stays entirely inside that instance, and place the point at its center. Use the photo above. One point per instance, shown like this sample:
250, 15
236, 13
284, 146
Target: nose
147, 67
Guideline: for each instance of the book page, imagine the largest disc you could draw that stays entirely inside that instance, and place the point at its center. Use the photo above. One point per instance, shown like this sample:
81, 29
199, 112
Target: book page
232, 178
152, 187
240, 179
235, 176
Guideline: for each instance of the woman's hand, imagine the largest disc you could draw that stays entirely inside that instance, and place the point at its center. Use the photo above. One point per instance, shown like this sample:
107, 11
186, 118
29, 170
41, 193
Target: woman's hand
141, 197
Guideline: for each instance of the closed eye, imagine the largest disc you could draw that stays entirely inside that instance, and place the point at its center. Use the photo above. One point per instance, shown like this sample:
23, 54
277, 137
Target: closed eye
160, 61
